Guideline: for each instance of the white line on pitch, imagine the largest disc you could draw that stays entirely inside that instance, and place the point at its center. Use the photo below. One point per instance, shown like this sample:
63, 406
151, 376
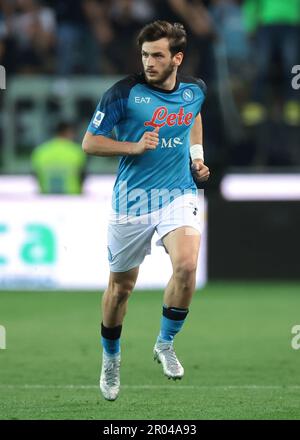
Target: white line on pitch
146, 387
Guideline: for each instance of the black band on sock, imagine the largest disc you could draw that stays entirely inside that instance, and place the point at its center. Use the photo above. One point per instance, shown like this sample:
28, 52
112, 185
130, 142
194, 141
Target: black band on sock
175, 313
112, 332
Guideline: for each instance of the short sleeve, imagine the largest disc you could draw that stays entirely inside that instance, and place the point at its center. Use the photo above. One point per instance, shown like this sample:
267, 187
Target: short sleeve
110, 110
202, 86
200, 90
203, 89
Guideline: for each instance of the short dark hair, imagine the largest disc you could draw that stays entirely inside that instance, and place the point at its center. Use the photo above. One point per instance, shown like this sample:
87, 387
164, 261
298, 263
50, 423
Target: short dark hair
63, 126
156, 30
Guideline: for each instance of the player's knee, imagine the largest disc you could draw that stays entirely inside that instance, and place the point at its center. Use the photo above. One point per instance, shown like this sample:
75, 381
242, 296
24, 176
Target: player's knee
185, 270
121, 290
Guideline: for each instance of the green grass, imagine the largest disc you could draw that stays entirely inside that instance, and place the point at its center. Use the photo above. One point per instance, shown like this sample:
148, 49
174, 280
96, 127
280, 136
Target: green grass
235, 347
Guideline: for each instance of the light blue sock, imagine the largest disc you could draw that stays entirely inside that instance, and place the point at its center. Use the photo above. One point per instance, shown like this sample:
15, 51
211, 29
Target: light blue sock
171, 323
111, 346
110, 338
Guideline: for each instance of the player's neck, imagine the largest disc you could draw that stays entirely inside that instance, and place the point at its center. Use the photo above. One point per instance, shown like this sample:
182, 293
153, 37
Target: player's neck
169, 84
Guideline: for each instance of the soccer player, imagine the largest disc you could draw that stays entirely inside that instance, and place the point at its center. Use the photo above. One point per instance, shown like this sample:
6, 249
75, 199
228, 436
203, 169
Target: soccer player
158, 130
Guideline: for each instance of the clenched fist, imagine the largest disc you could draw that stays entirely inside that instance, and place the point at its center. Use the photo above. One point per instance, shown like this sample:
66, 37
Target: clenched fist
148, 141
200, 171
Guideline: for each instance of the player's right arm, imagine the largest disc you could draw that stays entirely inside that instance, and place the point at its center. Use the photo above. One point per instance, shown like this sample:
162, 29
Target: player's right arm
99, 145
110, 111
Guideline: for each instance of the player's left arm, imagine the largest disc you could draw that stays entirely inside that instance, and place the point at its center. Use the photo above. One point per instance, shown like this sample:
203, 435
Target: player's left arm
199, 169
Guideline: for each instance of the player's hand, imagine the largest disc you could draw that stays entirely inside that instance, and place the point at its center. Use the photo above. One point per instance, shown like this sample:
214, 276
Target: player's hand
148, 141
200, 170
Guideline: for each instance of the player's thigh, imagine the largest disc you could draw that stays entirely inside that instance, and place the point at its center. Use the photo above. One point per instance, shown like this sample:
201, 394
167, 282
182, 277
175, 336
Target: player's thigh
180, 228
128, 244
124, 281
183, 244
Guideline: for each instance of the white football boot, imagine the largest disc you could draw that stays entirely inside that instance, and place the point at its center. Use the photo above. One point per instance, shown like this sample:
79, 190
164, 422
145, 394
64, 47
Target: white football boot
110, 376
164, 354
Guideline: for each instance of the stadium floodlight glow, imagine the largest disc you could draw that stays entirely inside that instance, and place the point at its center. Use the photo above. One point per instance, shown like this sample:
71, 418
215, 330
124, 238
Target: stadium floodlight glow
252, 187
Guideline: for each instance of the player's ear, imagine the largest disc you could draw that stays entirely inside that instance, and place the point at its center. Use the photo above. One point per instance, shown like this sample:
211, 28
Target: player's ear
178, 57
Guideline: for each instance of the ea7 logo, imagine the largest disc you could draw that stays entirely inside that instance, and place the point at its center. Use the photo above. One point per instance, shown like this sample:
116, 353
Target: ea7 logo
142, 99
296, 339
171, 142
2, 338
98, 118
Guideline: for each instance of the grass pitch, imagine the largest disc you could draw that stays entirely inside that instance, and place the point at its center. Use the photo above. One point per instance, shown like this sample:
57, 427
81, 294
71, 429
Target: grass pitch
235, 347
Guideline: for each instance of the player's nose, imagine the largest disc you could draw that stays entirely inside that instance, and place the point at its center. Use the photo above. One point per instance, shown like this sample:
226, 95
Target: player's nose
149, 62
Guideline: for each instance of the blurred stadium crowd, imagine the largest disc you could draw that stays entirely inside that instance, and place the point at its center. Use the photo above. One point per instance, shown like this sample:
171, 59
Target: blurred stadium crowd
243, 50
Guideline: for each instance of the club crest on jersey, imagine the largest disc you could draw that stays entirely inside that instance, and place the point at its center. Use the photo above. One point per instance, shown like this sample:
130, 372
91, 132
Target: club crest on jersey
162, 117
98, 118
188, 95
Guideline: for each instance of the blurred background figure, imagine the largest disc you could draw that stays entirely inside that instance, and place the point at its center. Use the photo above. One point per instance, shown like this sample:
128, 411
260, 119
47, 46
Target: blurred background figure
59, 163
33, 28
71, 30
274, 27
271, 111
99, 34
7, 46
229, 26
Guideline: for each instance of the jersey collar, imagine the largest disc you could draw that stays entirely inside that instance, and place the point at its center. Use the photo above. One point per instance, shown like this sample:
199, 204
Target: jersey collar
159, 89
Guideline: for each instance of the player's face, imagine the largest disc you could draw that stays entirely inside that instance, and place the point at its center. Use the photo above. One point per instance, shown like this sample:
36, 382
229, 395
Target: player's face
158, 61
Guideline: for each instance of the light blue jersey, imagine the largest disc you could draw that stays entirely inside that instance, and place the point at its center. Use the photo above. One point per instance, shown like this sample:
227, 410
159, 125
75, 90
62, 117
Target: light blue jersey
151, 180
